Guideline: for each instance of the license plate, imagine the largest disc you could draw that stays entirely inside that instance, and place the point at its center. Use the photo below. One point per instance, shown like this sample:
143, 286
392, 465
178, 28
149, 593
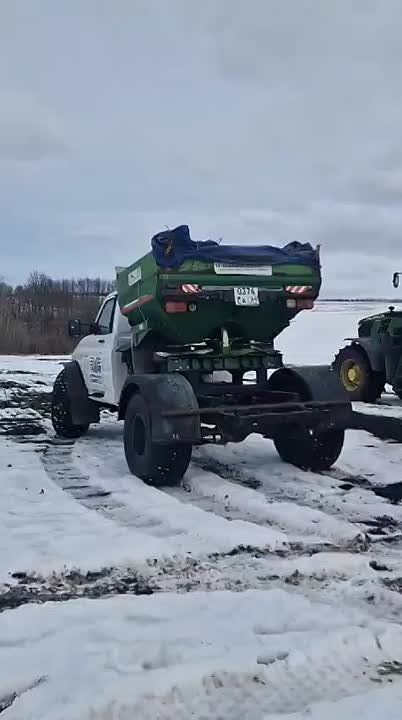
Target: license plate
246, 296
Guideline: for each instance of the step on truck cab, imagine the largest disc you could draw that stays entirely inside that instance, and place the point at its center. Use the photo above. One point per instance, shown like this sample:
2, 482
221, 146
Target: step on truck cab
184, 352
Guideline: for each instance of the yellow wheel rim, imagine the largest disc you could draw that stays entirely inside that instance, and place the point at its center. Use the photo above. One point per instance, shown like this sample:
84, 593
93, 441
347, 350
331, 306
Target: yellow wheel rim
352, 375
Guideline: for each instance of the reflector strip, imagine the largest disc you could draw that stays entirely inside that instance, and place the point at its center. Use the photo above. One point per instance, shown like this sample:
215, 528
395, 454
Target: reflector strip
297, 289
189, 288
136, 303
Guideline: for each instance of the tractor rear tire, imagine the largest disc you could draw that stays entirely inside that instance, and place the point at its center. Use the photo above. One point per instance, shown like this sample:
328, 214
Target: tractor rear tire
308, 449
356, 375
61, 411
155, 464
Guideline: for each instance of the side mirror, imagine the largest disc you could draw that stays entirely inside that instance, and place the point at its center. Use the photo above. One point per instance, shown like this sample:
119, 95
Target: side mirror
395, 280
74, 328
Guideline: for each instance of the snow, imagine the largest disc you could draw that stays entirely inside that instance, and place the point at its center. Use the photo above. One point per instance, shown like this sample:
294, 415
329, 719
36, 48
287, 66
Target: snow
384, 703
199, 655
277, 593
43, 366
290, 518
327, 326
389, 406
31, 369
43, 528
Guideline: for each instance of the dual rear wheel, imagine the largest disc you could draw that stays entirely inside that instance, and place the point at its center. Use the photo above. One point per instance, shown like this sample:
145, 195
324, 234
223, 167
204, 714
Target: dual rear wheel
308, 449
166, 464
154, 463
157, 464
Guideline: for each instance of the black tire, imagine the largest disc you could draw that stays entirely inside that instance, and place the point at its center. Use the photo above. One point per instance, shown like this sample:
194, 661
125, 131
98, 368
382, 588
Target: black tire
155, 464
360, 382
61, 411
308, 449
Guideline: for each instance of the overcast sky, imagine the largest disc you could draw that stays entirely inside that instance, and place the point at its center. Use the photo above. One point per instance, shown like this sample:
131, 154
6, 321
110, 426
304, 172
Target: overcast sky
259, 121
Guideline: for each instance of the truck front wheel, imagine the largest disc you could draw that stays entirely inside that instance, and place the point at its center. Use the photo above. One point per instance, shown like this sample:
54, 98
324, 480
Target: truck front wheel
155, 464
61, 411
309, 450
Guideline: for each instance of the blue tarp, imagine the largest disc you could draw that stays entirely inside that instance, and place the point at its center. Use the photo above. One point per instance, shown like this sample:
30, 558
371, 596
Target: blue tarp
172, 247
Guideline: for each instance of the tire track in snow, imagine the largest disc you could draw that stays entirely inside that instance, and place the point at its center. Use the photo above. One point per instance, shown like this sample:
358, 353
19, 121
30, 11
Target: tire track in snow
305, 527
200, 559
127, 501
217, 571
353, 491
93, 471
309, 529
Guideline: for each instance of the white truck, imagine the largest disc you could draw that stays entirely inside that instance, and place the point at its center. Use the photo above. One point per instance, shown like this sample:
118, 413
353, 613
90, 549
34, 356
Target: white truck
164, 395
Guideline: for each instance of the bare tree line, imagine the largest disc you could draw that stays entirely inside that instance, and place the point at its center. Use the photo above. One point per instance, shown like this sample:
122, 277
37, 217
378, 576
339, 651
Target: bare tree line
34, 316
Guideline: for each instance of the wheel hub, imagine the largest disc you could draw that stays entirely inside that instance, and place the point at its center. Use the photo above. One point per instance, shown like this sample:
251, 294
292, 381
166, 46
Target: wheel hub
352, 375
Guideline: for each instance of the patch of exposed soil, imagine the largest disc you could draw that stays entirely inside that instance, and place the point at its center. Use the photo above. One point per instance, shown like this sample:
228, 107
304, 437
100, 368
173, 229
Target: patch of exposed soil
72, 585
228, 472
23, 428
36, 403
382, 426
7, 700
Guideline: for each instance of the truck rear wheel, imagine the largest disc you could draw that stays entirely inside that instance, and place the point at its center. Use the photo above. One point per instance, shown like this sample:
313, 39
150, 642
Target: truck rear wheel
155, 464
309, 450
61, 411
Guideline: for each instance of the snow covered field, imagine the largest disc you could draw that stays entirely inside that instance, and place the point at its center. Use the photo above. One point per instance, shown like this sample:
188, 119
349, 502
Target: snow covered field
253, 591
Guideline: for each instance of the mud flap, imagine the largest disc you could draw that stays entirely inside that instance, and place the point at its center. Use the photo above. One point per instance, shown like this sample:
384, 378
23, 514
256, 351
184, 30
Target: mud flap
161, 393
374, 350
317, 383
83, 410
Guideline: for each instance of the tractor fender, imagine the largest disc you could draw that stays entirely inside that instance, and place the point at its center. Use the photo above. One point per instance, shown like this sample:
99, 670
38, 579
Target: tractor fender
312, 382
165, 392
83, 409
373, 350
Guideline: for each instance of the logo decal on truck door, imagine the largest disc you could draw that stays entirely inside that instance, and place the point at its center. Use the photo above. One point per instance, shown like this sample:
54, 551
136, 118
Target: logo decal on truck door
95, 369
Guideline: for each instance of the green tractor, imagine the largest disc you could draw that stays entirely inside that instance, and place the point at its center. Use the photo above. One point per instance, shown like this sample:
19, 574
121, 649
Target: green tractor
374, 357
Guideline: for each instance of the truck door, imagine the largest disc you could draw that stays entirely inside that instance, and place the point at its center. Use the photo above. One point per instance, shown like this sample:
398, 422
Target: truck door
100, 379
94, 353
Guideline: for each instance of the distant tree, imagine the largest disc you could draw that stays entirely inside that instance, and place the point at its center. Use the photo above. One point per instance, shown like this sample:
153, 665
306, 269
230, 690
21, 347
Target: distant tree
34, 316
5, 288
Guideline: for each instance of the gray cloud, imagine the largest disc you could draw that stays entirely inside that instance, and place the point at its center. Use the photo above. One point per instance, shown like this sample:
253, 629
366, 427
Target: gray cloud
29, 132
263, 121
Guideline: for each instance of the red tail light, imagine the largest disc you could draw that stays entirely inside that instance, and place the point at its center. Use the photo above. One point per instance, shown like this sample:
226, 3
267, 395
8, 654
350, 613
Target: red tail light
175, 307
305, 304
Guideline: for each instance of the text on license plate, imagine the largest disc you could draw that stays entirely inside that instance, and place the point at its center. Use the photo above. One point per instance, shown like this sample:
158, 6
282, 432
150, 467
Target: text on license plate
246, 296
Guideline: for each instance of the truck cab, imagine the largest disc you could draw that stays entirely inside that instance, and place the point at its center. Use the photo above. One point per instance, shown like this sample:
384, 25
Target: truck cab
102, 365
